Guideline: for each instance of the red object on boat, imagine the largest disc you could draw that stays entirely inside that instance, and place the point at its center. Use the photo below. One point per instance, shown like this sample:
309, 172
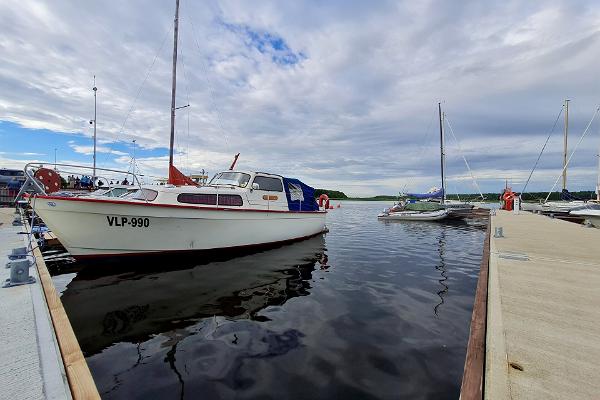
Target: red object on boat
507, 198
49, 178
177, 178
325, 198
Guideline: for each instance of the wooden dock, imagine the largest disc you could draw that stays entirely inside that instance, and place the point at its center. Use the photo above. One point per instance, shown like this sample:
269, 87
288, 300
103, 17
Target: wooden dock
41, 358
541, 313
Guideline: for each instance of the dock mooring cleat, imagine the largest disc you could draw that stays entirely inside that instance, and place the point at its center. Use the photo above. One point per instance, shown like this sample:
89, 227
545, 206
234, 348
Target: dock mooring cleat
19, 273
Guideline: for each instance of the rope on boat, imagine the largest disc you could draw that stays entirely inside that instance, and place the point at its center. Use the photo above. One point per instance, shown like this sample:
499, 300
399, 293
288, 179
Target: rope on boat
463, 157
543, 148
587, 128
210, 86
139, 91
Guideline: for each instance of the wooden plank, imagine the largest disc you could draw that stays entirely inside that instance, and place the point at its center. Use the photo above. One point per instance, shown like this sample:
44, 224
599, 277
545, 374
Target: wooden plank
474, 370
80, 379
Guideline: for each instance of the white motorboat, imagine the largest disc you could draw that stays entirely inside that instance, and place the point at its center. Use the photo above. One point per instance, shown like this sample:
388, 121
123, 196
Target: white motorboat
415, 215
236, 209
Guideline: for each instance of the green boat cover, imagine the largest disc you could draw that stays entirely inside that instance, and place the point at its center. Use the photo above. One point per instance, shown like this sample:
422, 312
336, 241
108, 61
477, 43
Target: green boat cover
423, 206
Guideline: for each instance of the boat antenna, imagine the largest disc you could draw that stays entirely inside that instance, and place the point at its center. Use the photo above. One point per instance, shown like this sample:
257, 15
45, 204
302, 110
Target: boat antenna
95, 89
133, 158
564, 174
235, 158
174, 84
442, 152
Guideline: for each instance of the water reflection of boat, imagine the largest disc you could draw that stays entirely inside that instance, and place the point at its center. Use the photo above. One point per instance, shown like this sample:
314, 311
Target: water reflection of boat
131, 307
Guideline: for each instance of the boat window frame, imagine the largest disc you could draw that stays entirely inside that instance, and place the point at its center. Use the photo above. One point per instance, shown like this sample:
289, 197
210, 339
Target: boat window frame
230, 184
277, 178
179, 196
145, 191
231, 196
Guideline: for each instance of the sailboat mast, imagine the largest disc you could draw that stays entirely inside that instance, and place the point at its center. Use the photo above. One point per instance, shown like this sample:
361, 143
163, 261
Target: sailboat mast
95, 89
174, 84
442, 155
598, 182
564, 174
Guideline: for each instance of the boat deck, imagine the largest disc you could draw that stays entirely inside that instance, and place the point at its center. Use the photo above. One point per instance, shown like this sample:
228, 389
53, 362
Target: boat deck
33, 350
543, 314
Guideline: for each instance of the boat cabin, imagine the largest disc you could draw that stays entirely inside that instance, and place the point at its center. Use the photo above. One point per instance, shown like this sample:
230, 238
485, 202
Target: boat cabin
236, 190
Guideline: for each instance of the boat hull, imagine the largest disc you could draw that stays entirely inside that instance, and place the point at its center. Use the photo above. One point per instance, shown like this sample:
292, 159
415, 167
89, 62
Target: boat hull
415, 215
95, 228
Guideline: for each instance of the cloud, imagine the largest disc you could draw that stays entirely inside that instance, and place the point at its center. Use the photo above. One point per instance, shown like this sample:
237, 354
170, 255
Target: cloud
341, 94
28, 154
89, 150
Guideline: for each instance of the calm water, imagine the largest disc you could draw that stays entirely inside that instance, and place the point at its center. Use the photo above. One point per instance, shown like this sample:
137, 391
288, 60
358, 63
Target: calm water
371, 310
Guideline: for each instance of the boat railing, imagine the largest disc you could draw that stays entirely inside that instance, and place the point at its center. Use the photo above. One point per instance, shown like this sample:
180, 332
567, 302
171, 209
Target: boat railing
32, 181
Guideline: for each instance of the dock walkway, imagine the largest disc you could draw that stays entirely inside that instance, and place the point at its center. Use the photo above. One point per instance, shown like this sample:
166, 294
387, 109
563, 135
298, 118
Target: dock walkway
543, 320
32, 362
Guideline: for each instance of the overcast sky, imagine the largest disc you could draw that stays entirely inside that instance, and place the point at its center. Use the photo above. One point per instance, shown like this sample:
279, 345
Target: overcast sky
341, 94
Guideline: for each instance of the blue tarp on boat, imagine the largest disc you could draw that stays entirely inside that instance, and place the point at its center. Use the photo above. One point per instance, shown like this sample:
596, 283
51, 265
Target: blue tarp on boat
565, 195
300, 196
432, 195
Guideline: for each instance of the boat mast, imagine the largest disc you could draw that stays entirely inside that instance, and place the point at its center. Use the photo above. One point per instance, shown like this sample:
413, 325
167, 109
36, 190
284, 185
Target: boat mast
95, 89
598, 182
564, 174
442, 155
174, 84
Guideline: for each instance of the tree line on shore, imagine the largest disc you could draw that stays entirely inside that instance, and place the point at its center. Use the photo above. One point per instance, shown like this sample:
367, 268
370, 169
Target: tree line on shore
529, 197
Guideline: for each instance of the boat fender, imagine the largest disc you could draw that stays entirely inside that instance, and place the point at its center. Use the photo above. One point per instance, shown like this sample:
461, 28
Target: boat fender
325, 198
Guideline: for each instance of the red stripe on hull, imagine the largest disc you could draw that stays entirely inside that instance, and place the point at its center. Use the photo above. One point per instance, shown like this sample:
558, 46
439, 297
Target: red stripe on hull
130, 203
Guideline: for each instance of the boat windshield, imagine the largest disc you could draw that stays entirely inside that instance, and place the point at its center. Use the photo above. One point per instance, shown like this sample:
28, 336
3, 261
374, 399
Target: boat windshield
230, 178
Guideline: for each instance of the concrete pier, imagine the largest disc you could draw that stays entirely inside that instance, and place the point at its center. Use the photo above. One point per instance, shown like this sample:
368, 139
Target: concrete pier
543, 310
34, 336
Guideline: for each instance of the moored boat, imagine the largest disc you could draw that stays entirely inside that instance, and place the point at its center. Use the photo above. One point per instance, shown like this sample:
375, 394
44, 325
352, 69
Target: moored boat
236, 209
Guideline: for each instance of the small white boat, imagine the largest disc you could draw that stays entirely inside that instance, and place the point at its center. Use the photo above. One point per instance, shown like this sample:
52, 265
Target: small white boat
237, 209
415, 215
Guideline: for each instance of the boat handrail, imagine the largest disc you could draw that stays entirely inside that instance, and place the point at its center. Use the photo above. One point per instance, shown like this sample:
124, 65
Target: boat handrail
29, 167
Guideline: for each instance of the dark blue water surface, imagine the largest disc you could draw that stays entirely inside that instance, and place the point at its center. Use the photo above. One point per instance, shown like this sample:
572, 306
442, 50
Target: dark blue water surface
371, 310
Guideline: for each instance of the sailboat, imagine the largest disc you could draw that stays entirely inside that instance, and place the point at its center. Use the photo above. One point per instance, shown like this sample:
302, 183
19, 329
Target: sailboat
591, 211
235, 209
567, 201
423, 211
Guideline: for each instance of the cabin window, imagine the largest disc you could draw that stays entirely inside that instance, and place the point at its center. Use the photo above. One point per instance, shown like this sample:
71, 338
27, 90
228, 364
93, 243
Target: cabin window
145, 194
195, 198
268, 183
230, 200
230, 178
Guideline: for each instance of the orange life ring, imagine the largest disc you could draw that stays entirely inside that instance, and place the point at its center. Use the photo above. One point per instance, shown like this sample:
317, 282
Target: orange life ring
325, 198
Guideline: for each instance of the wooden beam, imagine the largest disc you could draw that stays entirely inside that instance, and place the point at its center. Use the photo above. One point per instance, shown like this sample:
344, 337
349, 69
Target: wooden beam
474, 370
80, 379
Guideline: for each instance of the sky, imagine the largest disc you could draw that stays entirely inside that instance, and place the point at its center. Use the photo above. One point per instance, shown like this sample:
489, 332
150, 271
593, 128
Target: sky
341, 94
